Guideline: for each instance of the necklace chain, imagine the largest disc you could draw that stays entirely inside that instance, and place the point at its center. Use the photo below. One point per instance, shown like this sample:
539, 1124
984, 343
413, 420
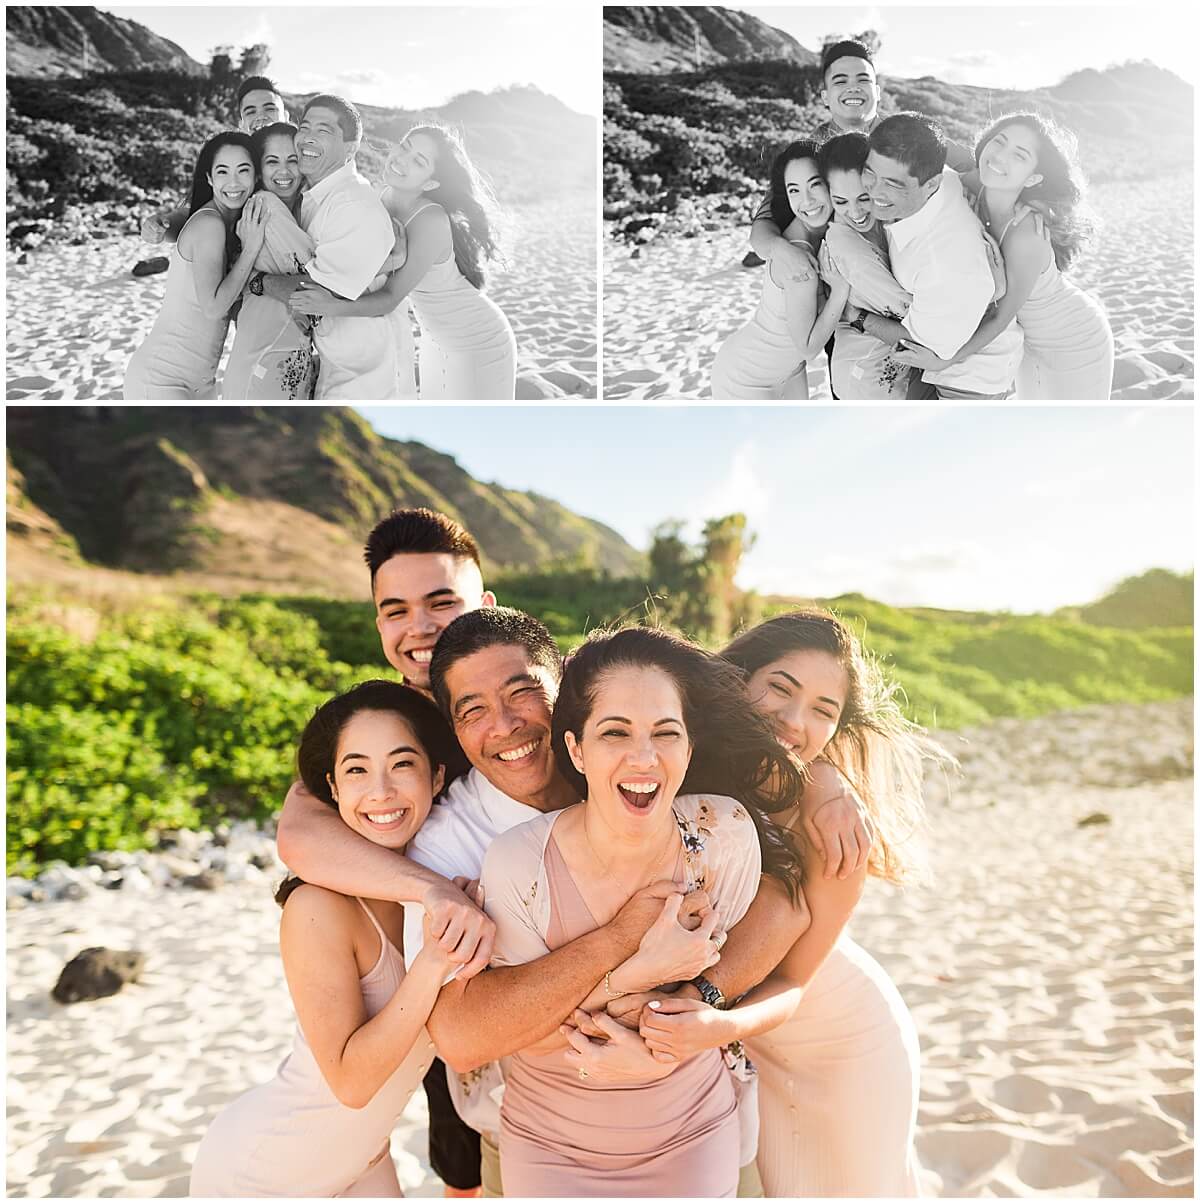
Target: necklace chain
607, 867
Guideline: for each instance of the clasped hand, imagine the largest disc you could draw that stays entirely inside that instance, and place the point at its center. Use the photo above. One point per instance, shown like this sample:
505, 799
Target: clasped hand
684, 941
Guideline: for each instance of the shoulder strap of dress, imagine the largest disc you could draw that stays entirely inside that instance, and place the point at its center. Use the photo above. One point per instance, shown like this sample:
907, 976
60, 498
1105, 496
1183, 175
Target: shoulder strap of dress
427, 205
378, 926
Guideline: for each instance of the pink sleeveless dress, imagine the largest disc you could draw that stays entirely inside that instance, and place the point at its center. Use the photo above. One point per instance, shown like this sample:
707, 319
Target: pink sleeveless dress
564, 1136
178, 359
291, 1136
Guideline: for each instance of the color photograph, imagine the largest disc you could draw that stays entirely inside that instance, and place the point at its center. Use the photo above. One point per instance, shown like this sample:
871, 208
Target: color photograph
405, 801
897, 202
281, 204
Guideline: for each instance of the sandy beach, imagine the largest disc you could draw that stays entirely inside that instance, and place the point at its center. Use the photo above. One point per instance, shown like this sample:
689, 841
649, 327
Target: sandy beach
668, 310
1048, 967
75, 313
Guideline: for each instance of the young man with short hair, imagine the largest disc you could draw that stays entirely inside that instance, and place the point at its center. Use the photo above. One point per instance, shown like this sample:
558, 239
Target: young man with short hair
940, 254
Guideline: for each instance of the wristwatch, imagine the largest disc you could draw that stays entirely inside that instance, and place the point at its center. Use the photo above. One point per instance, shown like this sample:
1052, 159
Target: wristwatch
860, 323
710, 994
256, 283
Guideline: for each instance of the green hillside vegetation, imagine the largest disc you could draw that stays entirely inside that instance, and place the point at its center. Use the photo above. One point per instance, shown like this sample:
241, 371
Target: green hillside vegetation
133, 718
672, 139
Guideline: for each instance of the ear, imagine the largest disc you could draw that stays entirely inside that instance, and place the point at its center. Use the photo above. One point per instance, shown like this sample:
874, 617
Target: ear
1033, 181
825, 96
573, 750
332, 786
439, 780
488, 600
430, 185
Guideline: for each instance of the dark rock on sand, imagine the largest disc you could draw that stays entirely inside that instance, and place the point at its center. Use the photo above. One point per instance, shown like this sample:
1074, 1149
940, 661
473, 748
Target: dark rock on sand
96, 973
151, 267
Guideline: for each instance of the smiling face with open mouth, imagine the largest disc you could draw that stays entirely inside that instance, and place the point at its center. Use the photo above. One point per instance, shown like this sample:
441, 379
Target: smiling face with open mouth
321, 144
804, 694
807, 193
500, 706
1009, 161
281, 166
417, 596
382, 780
231, 177
851, 92
850, 200
634, 748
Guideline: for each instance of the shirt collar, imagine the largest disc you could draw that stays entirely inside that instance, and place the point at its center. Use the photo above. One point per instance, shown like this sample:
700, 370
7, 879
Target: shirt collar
901, 233
502, 809
334, 180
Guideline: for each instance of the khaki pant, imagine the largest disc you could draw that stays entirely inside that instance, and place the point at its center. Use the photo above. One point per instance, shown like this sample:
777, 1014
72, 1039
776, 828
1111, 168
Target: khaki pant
749, 1184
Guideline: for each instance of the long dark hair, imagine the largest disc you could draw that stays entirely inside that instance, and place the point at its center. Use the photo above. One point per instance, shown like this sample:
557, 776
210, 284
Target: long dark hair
734, 751
1061, 195
877, 750
781, 209
202, 191
467, 199
318, 743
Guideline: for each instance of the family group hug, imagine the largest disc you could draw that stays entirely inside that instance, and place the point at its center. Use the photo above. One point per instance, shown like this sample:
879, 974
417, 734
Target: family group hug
925, 270
597, 907
283, 236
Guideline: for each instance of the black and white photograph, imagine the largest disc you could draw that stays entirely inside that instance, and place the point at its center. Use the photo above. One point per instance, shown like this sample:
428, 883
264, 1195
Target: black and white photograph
853, 203
268, 203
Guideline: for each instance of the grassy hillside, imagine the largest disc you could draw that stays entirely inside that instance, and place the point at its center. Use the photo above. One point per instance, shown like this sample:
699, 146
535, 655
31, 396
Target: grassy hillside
138, 712
670, 139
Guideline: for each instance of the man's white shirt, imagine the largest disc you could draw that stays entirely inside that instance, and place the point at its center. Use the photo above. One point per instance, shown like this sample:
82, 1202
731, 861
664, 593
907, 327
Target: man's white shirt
452, 842
354, 236
940, 256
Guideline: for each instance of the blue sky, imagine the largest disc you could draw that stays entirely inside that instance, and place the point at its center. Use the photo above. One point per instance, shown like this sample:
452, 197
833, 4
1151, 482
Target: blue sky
999, 46
1023, 509
403, 56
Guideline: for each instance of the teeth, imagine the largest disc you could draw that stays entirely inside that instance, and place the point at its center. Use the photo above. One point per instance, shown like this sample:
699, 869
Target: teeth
639, 787
388, 817
422, 655
516, 754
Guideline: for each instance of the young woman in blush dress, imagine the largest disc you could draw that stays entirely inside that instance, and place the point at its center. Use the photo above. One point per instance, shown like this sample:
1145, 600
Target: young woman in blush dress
646, 725
467, 349
855, 250
766, 359
271, 358
835, 1046
322, 1125
209, 266
1027, 160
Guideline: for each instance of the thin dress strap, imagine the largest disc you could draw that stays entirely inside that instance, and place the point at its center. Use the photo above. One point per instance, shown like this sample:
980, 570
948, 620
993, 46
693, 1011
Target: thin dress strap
427, 205
384, 941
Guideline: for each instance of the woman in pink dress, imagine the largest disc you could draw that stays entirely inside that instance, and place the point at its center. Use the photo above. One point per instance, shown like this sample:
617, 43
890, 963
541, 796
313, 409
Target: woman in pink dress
209, 267
658, 736
1025, 160
321, 1126
835, 1047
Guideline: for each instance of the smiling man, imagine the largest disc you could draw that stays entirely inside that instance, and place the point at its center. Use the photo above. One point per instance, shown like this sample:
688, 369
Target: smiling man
353, 236
939, 253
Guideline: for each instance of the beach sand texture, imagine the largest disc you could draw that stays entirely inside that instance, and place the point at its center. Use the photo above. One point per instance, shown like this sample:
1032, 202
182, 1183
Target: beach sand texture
1049, 970
75, 314
668, 311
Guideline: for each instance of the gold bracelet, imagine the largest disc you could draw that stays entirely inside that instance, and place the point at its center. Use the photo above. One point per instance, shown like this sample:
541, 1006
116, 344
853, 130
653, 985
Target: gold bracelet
608, 990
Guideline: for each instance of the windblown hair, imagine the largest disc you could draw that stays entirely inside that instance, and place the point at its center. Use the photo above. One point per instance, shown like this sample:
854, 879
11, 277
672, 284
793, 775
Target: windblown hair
417, 530
877, 750
781, 209
202, 191
319, 742
349, 122
490, 627
843, 50
1061, 196
913, 140
734, 752
845, 152
468, 201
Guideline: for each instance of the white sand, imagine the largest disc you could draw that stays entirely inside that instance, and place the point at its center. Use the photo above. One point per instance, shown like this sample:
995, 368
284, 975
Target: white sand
1049, 971
667, 311
75, 314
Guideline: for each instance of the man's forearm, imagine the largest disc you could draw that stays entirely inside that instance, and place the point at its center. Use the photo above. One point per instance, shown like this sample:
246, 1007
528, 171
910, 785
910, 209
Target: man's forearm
508, 1008
886, 330
316, 845
758, 942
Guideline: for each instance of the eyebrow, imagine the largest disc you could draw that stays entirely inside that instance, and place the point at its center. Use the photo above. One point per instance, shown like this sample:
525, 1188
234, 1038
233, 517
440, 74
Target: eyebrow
403, 748
516, 679
433, 593
833, 702
623, 719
